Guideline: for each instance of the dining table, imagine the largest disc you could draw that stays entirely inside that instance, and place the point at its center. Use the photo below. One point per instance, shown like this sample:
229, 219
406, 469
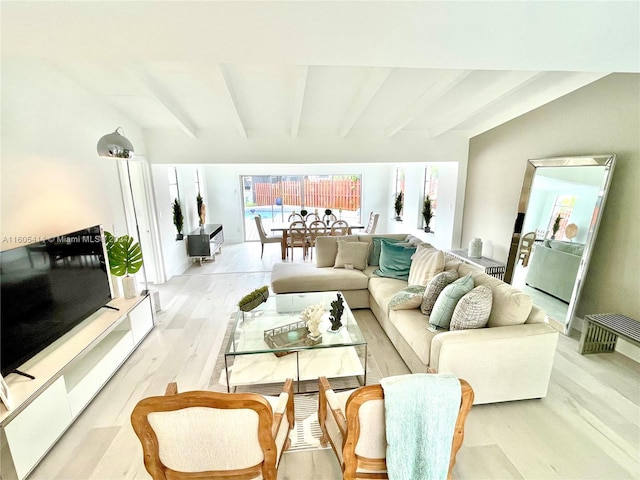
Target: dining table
284, 228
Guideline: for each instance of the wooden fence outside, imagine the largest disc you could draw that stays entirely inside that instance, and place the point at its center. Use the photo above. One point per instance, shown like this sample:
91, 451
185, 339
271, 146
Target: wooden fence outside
335, 194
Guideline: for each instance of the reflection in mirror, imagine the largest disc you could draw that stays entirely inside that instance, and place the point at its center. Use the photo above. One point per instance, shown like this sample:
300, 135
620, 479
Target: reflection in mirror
560, 209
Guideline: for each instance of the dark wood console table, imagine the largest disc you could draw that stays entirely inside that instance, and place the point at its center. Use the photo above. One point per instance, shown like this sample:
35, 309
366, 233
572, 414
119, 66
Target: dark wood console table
205, 241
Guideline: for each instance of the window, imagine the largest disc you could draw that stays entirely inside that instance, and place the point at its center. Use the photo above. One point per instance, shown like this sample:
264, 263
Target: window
174, 191
398, 204
431, 189
563, 206
199, 185
275, 197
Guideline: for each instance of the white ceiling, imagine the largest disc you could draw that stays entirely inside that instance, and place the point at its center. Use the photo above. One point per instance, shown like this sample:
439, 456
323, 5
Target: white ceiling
370, 69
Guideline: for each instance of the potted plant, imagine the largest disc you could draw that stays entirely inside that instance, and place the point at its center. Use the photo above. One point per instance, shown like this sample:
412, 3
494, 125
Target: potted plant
556, 227
253, 299
202, 209
397, 206
125, 259
178, 219
304, 213
427, 213
327, 211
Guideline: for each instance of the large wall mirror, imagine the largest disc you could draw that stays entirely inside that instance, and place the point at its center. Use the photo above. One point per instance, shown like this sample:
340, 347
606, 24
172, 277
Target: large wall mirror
560, 209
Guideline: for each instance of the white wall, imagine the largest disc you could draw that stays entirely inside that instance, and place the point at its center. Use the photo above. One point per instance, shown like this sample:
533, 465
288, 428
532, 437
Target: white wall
52, 179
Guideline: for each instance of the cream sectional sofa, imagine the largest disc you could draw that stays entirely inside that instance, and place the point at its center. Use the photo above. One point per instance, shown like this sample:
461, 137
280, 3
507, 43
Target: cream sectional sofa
509, 361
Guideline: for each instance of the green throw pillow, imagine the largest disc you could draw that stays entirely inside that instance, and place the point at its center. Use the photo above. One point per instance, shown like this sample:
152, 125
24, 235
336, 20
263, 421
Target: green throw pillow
374, 253
446, 303
395, 260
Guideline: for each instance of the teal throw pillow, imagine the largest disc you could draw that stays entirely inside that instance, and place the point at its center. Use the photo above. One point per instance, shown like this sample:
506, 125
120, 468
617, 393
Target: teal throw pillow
447, 300
395, 260
374, 253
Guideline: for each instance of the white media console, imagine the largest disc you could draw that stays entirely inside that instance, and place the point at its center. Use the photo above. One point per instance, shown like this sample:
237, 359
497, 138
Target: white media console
68, 374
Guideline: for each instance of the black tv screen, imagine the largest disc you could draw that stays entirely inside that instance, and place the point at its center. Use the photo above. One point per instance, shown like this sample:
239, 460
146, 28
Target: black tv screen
48, 288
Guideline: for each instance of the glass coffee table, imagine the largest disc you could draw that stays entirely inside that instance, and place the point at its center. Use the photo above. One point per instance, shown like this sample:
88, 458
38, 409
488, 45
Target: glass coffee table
268, 344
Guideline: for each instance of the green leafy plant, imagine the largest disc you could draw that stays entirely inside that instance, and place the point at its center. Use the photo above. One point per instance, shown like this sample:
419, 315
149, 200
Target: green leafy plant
327, 211
178, 218
125, 256
556, 225
250, 300
399, 203
304, 212
199, 206
427, 213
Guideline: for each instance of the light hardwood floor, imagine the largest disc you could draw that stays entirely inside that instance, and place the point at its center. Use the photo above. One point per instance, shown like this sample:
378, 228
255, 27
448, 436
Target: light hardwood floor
588, 426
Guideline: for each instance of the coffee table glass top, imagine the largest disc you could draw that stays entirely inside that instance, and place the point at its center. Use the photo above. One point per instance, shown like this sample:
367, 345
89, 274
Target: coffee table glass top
279, 312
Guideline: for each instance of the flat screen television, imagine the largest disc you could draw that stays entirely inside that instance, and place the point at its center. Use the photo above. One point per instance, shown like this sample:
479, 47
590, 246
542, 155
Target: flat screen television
48, 288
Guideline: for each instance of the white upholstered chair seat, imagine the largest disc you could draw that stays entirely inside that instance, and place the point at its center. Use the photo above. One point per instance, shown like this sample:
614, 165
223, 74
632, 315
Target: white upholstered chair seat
238, 435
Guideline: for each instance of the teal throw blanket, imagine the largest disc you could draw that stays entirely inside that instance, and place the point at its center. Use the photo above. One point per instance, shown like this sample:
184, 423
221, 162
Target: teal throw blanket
420, 417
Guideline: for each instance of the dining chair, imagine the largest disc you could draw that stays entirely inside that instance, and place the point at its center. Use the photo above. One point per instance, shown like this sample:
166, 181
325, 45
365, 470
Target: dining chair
264, 237
526, 244
201, 434
329, 219
353, 422
373, 223
312, 217
339, 228
295, 217
298, 237
317, 228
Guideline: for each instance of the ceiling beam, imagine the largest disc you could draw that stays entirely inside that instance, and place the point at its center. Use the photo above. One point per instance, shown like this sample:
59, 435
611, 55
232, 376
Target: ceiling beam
559, 89
499, 89
437, 90
242, 129
374, 81
167, 101
302, 72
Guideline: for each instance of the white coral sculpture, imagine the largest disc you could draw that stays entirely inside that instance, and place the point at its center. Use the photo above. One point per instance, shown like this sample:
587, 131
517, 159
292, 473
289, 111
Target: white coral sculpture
313, 316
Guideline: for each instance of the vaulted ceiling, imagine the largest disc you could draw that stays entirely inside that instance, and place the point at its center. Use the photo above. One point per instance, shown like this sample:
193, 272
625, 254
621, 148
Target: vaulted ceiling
197, 72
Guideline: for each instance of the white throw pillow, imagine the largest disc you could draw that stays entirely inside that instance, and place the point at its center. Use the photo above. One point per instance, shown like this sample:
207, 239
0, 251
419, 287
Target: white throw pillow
510, 306
473, 310
408, 298
426, 263
352, 253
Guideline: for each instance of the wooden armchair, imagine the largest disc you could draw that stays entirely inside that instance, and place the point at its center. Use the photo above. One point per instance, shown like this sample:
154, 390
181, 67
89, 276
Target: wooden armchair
353, 422
339, 228
199, 434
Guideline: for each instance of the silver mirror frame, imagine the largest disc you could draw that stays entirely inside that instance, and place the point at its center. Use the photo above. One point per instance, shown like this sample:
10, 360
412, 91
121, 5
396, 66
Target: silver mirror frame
607, 161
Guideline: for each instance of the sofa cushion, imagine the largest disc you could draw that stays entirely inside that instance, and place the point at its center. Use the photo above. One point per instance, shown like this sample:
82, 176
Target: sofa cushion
306, 277
434, 289
327, 249
352, 253
376, 247
395, 260
412, 325
447, 301
510, 306
473, 310
426, 263
407, 298
384, 289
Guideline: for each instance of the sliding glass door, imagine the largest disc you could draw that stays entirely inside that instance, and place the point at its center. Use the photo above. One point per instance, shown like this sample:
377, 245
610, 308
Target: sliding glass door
274, 198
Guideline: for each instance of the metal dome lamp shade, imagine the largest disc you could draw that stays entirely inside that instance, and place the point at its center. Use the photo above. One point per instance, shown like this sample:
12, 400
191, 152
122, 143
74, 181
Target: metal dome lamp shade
115, 145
